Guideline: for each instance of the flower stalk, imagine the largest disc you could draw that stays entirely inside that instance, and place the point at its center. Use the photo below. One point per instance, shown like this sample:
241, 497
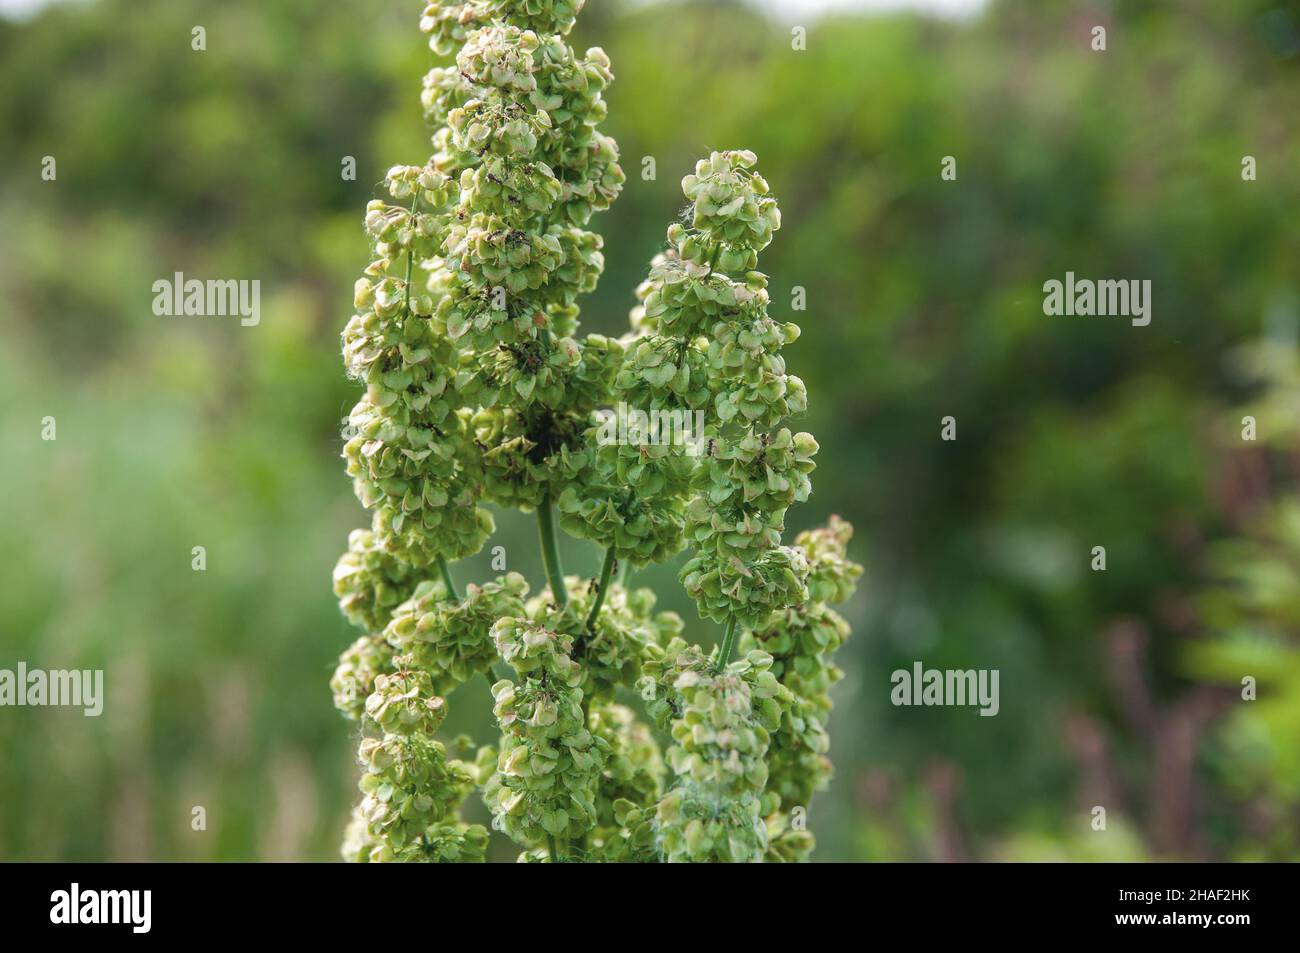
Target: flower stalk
480, 391
445, 571
727, 646
551, 551
602, 587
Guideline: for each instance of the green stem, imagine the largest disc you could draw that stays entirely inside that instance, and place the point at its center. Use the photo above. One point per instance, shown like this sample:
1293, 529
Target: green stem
551, 551
606, 571
447, 580
550, 846
410, 254
728, 645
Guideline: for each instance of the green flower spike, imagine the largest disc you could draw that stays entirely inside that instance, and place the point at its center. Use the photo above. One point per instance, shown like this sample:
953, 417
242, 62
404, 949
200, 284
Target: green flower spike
411, 790
480, 388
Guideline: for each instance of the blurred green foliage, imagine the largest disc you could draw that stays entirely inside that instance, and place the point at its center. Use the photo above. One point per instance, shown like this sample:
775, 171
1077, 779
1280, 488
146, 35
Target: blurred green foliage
924, 300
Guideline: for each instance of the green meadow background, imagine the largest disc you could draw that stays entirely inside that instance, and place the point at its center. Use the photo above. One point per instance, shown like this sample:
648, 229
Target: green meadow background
924, 299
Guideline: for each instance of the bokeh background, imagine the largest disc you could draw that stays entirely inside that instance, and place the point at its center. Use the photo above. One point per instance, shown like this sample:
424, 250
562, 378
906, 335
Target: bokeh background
1118, 688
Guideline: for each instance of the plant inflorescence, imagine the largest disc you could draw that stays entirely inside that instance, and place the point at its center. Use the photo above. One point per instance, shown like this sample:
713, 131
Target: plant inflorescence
480, 390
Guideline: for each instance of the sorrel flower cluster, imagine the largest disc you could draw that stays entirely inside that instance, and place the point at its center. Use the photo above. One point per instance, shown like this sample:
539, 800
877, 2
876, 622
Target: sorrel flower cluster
481, 391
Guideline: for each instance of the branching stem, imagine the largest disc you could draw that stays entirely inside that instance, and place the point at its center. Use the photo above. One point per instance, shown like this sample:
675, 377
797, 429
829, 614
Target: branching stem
606, 573
550, 550
447, 581
410, 255
728, 646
